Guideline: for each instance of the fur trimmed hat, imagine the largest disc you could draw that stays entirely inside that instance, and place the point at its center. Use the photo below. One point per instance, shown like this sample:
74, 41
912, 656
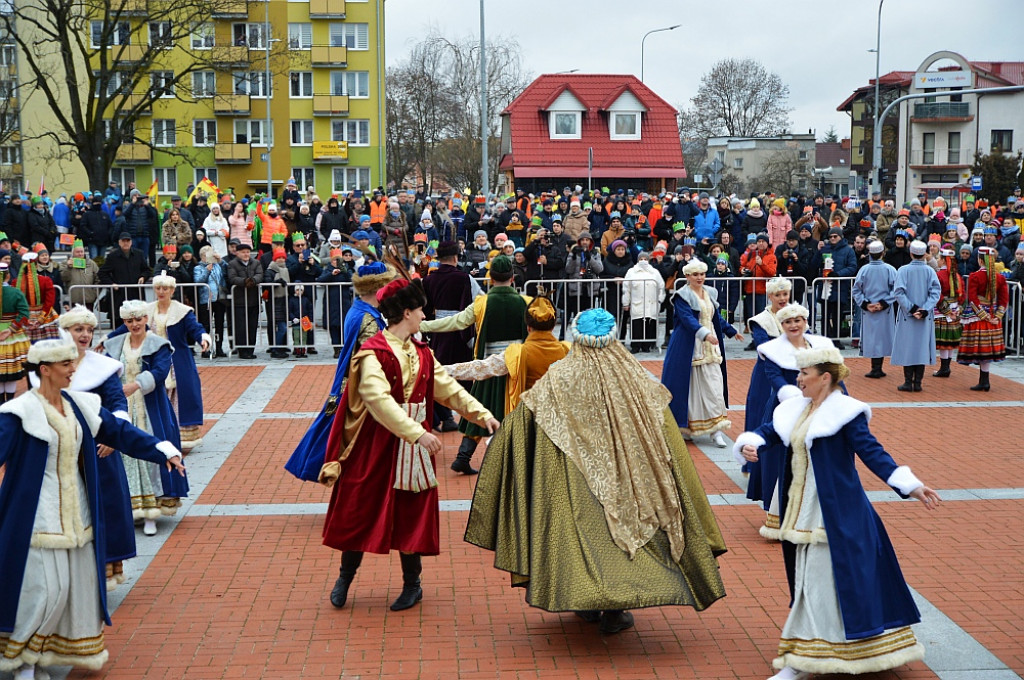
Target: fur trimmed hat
164, 281
51, 352
371, 277
806, 358
133, 309
695, 267
78, 315
792, 311
777, 284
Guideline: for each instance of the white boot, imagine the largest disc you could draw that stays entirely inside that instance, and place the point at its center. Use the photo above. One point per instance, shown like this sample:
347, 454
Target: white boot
149, 527
790, 673
719, 439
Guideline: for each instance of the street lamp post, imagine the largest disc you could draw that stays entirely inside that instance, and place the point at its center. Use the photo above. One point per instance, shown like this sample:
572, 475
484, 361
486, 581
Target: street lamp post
644, 39
266, 94
876, 184
484, 171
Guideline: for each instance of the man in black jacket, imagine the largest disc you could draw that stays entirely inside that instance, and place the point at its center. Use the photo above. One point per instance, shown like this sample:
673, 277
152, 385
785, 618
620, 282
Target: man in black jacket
141, 221
545, 259
41, 227
124, 265
96, 228
244, 276
15, 223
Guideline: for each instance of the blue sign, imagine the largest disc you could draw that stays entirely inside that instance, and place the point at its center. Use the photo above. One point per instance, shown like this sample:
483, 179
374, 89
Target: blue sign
976, 183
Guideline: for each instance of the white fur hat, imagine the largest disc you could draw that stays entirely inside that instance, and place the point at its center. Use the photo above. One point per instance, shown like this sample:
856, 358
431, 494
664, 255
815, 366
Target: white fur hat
792, 311
695, 267
918, 248
875, 247
820, 355
164, 281
778, 284
51, 351
133, 309
78, 315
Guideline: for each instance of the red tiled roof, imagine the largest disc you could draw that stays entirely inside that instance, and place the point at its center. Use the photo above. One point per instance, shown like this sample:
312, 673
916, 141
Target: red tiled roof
829, 154
990, 74
890, 79
657, 154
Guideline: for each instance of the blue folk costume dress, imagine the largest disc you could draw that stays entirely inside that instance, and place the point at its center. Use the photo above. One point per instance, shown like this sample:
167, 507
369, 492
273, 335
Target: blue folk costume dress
154, 490
180, 326
361, 322
52, 560
694, 370
851, 610
763, 327
777, 358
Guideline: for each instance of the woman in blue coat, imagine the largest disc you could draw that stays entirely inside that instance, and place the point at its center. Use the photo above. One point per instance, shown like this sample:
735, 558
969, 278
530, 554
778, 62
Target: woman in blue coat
851, 610
694, 370
52, 522
176, 322
147, 362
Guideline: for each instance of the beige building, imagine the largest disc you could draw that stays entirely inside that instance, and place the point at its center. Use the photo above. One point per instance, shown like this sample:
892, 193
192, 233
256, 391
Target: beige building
786, 162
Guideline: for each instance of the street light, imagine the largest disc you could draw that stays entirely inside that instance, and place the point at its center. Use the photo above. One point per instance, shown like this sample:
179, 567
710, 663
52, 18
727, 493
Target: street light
644, 39
875, 180
572, 70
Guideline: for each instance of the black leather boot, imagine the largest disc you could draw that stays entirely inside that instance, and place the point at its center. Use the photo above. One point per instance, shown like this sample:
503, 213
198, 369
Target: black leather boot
943, 371
350, 561
464, 456
983, 384
918, 377
908, 380
876, 368
412, 567
615, 621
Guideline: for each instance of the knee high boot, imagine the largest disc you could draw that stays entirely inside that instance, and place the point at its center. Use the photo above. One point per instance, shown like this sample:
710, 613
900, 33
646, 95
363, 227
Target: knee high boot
918, 377
943, 371
876, 368
908, 380
412, 567
983, 383
464, 456
350, 561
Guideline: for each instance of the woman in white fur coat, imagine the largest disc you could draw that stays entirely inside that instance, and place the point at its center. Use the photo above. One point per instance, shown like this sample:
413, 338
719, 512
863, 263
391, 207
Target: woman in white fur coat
851, 610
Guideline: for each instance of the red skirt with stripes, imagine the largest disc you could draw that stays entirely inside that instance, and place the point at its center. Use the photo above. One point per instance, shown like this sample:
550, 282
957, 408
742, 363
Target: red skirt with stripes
981, 341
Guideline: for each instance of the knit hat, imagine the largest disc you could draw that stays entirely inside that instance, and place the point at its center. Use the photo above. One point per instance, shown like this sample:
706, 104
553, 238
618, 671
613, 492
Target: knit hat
751, 238
335, 236
478, 233
940, 215
186, 249
661, 247
835, 231
584, 235
754, 203
278, 253
806, 226
763, 237
501, 264
968, 248
616, 243
361, 235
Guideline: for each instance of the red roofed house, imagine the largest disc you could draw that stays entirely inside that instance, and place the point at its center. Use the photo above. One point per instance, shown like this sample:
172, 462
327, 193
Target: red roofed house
549, 130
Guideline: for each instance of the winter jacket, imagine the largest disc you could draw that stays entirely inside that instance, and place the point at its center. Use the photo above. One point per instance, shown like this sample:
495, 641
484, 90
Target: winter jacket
41, 227
244, 278
216, 280
706, 224
574, 225
844, 265
15, 225
125, 269
778, 226
96, 228
643, 291
765, 270
180, 234
755, 222
90, 276
141, 220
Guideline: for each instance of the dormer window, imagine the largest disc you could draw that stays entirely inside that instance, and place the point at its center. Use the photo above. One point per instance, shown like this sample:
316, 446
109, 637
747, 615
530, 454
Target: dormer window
565, 124
625, 125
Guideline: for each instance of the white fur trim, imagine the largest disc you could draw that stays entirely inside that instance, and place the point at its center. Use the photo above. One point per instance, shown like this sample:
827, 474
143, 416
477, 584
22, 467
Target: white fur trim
769, 533
33, 421
781, 352
175, 313
93, 662
904, 481
93, 369
123, 415
792, 311
836, 411
146, 382
164, 281
777, 284
207, 339
168, 450
789, 392
806, 358
745, 439
51, 351
145, 513
77, 315
767, 321
869, 665
695, 267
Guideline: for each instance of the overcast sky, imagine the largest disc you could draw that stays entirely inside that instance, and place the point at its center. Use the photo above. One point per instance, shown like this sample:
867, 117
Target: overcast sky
818, 48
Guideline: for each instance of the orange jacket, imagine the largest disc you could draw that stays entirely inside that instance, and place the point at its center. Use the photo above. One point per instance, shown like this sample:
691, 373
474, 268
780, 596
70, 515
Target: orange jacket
271, 225
378, 211
763, 271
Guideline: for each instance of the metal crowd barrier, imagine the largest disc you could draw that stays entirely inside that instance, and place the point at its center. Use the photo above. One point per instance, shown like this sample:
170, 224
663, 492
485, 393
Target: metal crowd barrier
291, 314
834, 314
738, 298
1013, 322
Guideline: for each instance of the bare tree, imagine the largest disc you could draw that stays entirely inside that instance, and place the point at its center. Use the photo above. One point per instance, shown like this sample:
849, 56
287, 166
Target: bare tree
101, 65
781, 172
738, 98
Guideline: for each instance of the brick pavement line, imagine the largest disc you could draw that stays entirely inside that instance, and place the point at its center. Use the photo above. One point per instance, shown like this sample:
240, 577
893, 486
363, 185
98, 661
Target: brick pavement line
924, 404
951, 652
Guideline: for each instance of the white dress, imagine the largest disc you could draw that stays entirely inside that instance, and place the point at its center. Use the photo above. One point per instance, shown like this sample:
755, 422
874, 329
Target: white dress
706, 409
144, 483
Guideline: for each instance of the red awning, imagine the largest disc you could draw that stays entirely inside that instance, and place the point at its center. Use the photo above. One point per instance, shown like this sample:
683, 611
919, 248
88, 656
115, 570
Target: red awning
581, 171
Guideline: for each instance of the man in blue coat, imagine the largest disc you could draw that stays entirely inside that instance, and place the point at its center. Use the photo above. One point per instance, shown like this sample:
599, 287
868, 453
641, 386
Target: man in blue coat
840, 262
873, 293
917, 291
706, 222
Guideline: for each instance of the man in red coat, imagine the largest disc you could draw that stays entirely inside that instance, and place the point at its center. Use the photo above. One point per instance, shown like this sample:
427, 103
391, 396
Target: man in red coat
380, 453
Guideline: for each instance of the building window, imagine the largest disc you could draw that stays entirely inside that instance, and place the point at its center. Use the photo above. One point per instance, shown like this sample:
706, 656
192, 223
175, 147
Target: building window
565, 125
8, 89
204, 132
355, 84
302, 133
125, 130
352, 36
202, 36
253, 132
300, 36
208, 173
8, 55
304, 177
119, 34
123, 176
160, 34
204, 84
355, 132
625, 125
118, 82
928, 148
1002, 141
10, 155
801, 155
162, 83
953, 152
248, 35
252, 83
351, 179
301, 84
164, 133
737, 163
166, 179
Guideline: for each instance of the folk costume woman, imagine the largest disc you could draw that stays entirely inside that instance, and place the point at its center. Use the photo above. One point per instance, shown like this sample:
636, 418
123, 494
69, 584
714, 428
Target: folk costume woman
982, 340
851, 610
42, 300
694, 370
176, 322
947, 313
380, 453
362, 322
52, 523
14, 342
777, 358
147, 361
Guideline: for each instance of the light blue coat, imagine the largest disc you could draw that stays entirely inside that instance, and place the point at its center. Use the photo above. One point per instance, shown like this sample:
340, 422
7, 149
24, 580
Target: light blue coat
917, 287
876, 282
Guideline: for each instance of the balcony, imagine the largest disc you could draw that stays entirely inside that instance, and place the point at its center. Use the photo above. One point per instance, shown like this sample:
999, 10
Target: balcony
129, 102
238, 154
942, 112
330, 105
941, 158
324, 55
128, 54
128, 8
230, 9
11, 169
134, 154
326, 9
230, 55
232, 104
330, 152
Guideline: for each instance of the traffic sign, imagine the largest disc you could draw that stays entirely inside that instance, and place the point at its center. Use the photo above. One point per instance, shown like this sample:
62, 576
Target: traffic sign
264, 157
976, 183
